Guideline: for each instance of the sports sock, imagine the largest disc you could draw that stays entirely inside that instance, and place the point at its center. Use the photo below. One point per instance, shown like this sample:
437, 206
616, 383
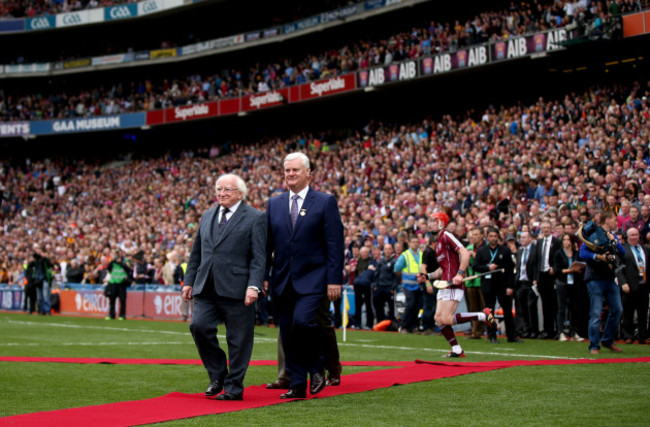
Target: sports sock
468, 317
448, 332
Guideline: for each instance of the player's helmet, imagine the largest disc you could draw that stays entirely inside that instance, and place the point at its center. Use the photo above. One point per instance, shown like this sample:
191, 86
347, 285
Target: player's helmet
441, 216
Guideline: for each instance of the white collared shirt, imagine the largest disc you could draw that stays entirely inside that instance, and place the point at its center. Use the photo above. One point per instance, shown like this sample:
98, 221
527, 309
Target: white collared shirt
301, 197
230, 213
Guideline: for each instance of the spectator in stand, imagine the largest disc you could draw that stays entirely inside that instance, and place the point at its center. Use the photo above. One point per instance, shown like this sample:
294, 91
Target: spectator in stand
635, 289
75, 272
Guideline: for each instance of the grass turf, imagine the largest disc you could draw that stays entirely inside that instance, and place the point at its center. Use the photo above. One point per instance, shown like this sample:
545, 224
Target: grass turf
609, 394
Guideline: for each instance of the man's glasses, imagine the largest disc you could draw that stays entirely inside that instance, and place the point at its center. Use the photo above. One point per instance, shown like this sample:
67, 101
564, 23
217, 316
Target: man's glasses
226, 190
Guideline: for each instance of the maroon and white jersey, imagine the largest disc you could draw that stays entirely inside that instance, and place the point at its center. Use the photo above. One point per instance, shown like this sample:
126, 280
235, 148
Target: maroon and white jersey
447, 253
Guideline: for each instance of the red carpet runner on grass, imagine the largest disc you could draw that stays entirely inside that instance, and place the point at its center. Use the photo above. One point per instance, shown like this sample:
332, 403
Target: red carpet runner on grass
176, 405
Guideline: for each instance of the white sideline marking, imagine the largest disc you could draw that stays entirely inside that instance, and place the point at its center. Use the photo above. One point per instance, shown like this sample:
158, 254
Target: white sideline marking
257, 339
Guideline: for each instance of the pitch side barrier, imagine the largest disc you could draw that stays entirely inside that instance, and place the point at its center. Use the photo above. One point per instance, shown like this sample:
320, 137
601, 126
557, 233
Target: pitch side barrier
145, 301
531, 46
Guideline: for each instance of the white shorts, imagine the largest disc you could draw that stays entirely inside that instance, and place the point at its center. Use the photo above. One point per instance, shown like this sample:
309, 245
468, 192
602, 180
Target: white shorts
450, 294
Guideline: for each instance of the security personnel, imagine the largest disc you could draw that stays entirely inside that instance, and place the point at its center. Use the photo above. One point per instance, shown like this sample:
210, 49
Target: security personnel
408, 264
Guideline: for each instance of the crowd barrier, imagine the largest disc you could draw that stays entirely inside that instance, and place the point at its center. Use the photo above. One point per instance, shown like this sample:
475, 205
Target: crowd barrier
147, 301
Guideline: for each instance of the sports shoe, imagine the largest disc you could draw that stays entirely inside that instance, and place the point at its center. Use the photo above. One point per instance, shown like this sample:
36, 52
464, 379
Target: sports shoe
428, 331
452, 354
108, 318
577, 338
563, 337
489, 318
122, 318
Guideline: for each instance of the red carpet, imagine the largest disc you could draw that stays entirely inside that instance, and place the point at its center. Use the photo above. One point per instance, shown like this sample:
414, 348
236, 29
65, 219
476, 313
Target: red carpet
176, 405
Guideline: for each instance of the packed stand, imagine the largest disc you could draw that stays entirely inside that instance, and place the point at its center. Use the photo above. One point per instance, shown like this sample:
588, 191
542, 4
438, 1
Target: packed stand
531, 174
436, 37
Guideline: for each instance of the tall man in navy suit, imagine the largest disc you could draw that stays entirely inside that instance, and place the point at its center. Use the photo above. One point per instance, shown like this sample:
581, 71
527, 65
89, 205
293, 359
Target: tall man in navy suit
305, 262
224, 275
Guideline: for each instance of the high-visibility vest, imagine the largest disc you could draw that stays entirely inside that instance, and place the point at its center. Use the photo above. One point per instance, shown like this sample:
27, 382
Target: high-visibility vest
411, 270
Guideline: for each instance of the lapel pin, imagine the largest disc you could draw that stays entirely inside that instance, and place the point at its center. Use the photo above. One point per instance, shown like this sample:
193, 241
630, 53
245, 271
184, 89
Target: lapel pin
303, 212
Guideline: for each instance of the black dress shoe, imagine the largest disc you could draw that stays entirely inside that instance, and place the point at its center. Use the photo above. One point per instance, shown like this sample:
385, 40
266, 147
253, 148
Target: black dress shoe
317, 383
544, 336
280, 384
494, 341
214, 388
295, 393
230, 396
532, 335
334, 376
516, 339
524, 335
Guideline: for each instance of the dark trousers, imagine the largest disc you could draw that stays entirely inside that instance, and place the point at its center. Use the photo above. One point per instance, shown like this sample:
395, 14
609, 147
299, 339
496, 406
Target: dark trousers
363, 297
384, 303
239, 320
527, 307
635, 301
121, 294
475, 303
302, 336
505, 302
429, 309
546, 288
412, 307
567, 303
30, 297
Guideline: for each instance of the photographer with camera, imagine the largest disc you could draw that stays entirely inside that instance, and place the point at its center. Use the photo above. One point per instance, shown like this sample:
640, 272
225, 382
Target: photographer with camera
602, 264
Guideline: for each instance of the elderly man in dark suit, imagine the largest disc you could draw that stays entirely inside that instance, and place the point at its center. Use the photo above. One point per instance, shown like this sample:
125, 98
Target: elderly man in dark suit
224, 275
305, 262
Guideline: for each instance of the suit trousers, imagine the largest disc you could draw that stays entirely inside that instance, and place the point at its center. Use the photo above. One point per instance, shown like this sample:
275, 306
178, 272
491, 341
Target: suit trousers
475, 303
302, 337
382, 299
332, 356
505, 302
527, 307
635, 301
239, 319
363, 297
548, 294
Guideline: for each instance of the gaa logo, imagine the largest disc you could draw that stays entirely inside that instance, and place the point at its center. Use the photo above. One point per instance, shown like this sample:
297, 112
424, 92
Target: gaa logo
149, 6
72, 19
120, 12
39, 24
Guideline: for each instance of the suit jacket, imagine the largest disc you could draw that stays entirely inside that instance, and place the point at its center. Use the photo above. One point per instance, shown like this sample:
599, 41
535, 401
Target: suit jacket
498, 282
310, 254
236, 256
556, 245
531, 263
631, 271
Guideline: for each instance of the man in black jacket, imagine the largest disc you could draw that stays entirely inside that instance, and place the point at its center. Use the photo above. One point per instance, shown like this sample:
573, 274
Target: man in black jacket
384, 284
497, 285
635, 287
547, 245
525, 273
363, 278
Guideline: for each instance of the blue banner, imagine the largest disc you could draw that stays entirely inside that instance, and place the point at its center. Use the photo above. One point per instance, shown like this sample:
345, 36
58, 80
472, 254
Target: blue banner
11, 298
12, 25
44, 22
88, 124
121, 12
373, 4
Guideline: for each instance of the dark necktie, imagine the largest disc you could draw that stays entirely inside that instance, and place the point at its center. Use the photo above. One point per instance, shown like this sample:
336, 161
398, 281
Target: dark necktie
224, 219
544, 257
294, 210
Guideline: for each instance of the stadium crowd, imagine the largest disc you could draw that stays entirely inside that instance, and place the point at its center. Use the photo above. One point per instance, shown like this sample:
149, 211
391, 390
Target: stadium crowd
559, 162
233, 81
